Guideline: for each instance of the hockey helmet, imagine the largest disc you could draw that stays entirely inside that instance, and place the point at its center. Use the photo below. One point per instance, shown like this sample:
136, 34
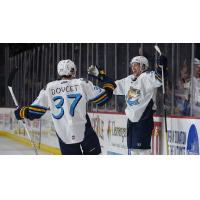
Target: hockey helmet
144, 64
66, 68
196, 61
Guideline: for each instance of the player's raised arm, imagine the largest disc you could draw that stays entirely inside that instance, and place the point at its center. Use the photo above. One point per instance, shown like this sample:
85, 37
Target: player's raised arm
102, 96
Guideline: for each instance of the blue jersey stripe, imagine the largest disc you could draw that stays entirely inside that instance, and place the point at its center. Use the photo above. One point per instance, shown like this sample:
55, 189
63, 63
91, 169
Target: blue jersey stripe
36, 113
100, 95
39, 106
103, 101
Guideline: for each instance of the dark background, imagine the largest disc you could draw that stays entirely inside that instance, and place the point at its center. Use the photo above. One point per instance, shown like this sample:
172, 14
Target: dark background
115, 56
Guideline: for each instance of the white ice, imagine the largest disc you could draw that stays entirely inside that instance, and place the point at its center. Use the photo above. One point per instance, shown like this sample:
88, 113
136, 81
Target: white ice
10, 147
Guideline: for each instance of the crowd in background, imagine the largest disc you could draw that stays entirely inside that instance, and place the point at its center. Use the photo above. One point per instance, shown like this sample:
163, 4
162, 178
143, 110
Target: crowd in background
38, 66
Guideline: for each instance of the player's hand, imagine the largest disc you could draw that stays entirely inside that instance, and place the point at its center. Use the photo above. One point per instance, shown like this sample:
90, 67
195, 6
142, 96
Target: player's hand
93, 71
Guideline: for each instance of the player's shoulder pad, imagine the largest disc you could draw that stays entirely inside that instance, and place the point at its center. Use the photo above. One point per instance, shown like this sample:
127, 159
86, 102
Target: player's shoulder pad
148, 72
84, 79
50, 83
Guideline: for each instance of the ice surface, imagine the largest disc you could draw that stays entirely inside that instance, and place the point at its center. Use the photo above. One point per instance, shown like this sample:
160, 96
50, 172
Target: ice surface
10, 147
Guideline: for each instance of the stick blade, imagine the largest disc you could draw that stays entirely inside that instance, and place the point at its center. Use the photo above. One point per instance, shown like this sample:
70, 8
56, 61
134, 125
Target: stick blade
157, 49
12, 76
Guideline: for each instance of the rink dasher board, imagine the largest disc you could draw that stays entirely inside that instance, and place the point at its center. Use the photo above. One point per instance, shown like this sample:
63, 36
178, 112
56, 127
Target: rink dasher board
112, 130
183, 132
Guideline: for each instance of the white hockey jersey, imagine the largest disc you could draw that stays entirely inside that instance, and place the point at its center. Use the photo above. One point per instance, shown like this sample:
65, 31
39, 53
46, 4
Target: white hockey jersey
138, 93
67, 101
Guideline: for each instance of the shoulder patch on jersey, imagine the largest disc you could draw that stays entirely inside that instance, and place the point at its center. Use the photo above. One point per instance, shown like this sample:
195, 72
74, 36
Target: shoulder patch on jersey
64, 81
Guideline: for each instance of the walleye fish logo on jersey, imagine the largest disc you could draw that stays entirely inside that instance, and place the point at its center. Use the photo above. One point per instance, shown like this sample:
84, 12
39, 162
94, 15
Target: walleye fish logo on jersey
133, 96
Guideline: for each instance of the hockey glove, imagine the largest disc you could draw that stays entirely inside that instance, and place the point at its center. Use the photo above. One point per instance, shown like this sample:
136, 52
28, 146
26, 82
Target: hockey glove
96, 72
105, 82
21, 112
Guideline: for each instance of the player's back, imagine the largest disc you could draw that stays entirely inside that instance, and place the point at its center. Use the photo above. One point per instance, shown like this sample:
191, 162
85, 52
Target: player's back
67, 101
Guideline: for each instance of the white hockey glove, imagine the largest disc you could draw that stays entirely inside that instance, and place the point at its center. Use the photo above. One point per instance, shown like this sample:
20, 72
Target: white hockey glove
93, 71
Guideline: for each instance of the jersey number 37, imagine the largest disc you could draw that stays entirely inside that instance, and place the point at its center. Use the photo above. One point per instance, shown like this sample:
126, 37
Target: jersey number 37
59, 105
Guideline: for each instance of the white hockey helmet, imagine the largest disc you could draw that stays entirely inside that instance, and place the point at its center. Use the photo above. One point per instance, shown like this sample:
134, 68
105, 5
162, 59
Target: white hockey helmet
196, 61
66, 68
144, 64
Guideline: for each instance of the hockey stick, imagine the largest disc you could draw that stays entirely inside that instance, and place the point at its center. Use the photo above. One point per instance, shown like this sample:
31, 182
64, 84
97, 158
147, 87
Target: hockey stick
10, 81
164, 98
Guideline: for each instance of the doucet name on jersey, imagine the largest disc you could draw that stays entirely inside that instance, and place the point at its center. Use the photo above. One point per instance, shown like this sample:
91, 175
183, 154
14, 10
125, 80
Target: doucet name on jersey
72, 88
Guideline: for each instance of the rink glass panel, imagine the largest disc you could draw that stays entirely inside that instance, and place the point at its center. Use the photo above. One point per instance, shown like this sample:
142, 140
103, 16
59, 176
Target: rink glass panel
38, 66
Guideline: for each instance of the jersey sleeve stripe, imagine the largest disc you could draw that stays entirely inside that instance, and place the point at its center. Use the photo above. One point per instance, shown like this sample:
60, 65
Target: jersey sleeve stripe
39, 106
37, 109
99, 99
158, 70
103, 101
36, 113
158, 73
98, 96
158, 77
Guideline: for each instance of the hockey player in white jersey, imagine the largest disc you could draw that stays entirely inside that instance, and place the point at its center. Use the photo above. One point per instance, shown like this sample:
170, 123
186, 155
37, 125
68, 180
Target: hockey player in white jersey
140, 94
66, 99
139, 90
